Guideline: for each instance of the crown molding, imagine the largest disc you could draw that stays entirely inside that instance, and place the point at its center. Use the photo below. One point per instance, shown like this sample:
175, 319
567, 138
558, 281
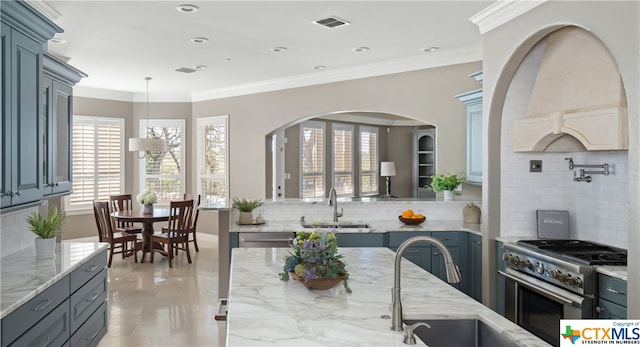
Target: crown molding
116, 95
501, 12
44, 9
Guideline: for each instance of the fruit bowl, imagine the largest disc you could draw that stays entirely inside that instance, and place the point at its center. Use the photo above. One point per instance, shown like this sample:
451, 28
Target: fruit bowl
412, 221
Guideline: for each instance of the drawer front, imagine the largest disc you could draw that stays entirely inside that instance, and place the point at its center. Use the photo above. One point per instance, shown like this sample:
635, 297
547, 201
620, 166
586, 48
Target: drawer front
609, 310
396, 238
92, 331
613, 289
86, 271
87, 299
23, 318
448, 238
51, 331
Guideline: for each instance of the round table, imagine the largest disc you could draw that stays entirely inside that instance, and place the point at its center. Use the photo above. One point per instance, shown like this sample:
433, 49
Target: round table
147, 220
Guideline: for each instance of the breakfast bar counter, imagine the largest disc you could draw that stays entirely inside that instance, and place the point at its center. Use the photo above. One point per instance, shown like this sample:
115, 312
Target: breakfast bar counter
265, 311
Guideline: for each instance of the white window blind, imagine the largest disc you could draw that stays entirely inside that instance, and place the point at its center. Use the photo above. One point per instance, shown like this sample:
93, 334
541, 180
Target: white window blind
343, 159
98, 160
212, 160
312, 159
368, 161
164, 172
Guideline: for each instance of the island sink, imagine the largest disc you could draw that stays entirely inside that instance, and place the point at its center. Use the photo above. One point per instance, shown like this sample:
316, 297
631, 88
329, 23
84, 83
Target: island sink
331, 225
458, 332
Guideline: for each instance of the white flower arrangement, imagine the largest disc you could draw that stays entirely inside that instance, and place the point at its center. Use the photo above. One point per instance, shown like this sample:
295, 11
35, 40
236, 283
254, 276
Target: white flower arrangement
147, 197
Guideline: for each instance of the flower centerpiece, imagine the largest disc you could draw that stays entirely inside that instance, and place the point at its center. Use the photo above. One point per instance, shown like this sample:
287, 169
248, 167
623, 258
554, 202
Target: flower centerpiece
447, 183
147, 198
314, 260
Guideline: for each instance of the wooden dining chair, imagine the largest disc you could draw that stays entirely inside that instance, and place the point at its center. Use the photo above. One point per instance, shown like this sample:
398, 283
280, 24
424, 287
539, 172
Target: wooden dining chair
176, 234
123, 202
194, 219
119, 242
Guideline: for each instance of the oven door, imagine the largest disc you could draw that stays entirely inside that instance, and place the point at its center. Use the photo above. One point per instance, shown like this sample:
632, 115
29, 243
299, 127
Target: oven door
539, 306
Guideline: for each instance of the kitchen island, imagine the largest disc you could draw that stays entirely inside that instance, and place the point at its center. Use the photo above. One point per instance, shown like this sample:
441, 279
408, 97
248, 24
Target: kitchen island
265, 311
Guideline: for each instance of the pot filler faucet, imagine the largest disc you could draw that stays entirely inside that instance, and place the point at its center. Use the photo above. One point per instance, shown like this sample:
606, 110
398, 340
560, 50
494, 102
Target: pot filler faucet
333, 201
453, 275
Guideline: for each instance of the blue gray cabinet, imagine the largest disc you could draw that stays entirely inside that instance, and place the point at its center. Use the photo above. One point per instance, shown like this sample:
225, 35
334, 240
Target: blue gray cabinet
612, 298
72, 311
57, 113
475, 266
473, 100
24, 35
499, 278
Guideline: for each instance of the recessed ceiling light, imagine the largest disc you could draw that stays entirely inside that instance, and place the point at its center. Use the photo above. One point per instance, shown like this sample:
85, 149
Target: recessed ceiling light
430, 49
227, 59
199, 39
319, 67
188, 8
57, 40
278, 49
200, 67
361, 49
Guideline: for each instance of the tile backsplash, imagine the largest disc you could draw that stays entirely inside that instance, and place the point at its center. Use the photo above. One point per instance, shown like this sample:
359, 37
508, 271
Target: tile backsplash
14, 231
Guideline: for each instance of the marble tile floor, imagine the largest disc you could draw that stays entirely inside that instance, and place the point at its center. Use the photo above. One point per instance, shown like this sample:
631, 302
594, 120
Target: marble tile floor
153, 305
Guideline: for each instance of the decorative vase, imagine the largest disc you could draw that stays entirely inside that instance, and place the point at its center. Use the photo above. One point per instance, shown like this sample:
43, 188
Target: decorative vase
147, 209
320, 283
448, 195
45, 248
245, 218
471, 214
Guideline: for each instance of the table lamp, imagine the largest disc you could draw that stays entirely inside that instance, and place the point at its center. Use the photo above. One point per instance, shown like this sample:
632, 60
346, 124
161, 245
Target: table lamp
388, 169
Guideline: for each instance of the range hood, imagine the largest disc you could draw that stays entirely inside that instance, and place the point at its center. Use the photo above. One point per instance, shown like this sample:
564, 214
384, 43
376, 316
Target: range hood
578, 101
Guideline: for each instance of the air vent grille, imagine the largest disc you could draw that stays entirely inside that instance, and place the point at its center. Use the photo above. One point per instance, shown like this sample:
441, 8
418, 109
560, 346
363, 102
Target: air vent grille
186, 70
331, 22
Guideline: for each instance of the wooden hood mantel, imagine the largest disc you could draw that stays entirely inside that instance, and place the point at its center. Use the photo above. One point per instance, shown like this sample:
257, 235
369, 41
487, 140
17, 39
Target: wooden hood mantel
578, 101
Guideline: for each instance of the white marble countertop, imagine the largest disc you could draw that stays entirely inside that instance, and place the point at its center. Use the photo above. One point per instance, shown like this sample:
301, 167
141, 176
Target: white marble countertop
22, 276
375, 226
619, 272
265, 311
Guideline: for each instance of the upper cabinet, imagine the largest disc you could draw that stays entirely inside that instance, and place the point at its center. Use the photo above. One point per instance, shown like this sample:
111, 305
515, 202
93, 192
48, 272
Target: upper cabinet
473, 100
24, 35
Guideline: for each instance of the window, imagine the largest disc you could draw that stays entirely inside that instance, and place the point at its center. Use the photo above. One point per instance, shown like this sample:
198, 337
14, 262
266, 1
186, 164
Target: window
98, 160
212, 161
343, 159
368, 161
164, 172
312, 159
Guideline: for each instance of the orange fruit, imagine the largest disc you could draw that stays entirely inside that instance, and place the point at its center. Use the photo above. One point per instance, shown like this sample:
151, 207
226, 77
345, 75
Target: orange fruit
418, 216
407, 213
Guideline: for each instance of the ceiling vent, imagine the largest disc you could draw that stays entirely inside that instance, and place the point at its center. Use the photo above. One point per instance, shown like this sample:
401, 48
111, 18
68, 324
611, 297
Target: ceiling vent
331, 22
186, 70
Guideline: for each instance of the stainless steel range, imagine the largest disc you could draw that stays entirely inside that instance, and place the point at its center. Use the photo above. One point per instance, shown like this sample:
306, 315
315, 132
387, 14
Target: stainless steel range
549, 280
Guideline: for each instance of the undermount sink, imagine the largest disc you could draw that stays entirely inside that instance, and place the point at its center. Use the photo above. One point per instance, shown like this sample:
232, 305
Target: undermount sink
458, 332
331, 225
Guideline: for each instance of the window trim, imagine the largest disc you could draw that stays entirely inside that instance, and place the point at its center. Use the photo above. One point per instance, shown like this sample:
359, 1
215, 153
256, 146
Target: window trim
315, 125
203, 121
376, 171
350, 128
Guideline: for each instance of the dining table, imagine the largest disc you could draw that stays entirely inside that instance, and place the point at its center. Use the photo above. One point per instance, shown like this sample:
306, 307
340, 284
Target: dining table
147, 220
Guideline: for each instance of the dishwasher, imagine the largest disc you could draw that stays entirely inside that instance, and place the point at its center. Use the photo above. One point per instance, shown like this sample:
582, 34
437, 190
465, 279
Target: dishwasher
265, 239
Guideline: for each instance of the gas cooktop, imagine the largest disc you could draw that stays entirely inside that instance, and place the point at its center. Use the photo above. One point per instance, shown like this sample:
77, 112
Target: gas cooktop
585, 252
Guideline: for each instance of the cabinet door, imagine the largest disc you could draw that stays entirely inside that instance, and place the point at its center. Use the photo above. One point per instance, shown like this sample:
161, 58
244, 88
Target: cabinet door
5, 151
609, 310
419, 255
474, 142
360, 239
475, 266
26, 63
438, 269
61, 137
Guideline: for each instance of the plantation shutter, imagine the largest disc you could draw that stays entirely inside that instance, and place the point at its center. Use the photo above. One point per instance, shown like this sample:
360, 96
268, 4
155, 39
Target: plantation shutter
368, 161
343, 159
212, 160
312, 159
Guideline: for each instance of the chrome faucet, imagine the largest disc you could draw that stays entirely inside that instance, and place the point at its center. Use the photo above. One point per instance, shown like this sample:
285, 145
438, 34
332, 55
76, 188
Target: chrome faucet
333, 201
453, 275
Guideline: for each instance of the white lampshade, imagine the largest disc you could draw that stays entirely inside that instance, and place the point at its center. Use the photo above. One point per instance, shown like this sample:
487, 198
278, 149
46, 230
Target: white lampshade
146, 145
387, 168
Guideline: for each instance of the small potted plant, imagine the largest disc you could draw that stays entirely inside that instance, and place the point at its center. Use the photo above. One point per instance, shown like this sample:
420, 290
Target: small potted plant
246, 206
45, 230
445, 183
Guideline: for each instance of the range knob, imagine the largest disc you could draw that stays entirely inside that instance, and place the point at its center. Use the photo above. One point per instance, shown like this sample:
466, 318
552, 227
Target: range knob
506, 257
525, 263
515, 260
575, 281
539, 267
558, 275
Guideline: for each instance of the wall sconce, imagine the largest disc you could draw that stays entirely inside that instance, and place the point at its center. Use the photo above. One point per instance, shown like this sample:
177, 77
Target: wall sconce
388, 169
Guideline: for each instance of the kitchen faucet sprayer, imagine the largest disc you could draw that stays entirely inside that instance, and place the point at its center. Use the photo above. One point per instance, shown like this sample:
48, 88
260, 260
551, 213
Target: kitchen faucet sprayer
333, 201
453, 275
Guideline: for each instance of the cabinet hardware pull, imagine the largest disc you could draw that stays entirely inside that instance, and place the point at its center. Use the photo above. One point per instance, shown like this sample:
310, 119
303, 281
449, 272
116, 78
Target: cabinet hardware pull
93, 298
611, 290
436, 253
479, 243
599, 309
95, 333
47, 341
409, 250
47, 303
92, 268
446, 239
18, 193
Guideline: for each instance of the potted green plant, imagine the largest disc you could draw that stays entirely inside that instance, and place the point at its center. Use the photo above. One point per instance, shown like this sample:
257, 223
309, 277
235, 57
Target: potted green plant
45, 230
246, 206
445, 183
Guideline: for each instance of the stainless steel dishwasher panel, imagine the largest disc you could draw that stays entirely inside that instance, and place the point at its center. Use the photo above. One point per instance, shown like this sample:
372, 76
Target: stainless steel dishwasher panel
265, 239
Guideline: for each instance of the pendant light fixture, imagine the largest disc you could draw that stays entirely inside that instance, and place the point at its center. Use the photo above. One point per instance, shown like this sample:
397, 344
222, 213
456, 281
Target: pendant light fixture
144, 146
